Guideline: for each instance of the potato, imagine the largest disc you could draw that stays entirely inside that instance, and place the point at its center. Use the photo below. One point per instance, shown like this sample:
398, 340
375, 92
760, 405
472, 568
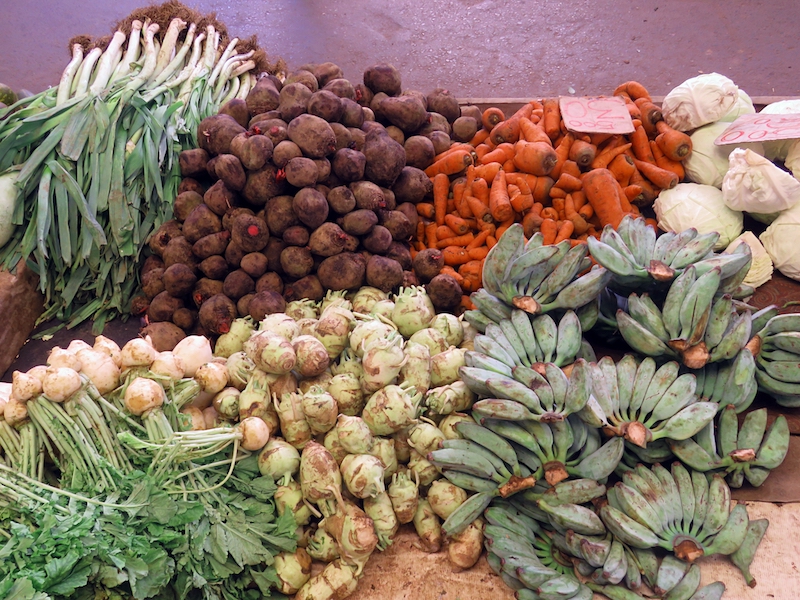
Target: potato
464, 129
325, 105
238, 283
266, 303
179, 279
311, 207
306, 287
162, 307
220, 198
185, 318
273, 253
410, 211
399, 251
406, 112
396, 134
296, 235
397, 223
234, 254
205, 289
214, 267
164, 336
217, 313
348, 165
378, 240
444, 292
344, 271
441, 141
296, 261
254, 264
368, 195
383, 77
294, 100
269, 281
301, 171
384, 273
214, 134
359, 222
352, 115
236, 108
343, 137
202, 221
313, 135
284, 152
419, 152
161, 237
327, 72
427, 263
179, 250
327, 239
341, 199
230, 171
263, 184
193, 162
153, 283
213, 243
442, 101
412, 185
341, 87
263, 97
189, 184
252, 150
470, 110
303, 76
385, 158
250, 233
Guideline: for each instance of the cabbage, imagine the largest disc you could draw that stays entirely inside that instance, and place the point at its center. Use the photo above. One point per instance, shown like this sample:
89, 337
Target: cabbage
742, 106
708, 162
699, 101
779, 149
755, 185
780, 241
761, 268
699, 206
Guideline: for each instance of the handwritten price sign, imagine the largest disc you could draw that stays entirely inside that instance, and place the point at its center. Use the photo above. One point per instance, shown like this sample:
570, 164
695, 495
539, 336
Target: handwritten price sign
595, 115
760, 128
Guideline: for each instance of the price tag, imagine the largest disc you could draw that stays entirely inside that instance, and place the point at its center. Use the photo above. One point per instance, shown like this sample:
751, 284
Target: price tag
759, 128
595, 115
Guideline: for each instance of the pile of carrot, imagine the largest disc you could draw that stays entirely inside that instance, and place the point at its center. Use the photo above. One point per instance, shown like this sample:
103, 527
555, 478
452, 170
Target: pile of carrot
529, 168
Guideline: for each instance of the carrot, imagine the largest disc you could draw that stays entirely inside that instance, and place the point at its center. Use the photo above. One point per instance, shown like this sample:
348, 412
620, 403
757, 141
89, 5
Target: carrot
571, 167
583, 153
649, 191
549, 231
601, 192
491, 117
480, 189
579, 198
533, 132
455, 255
487, 172
651, 114
448, 270
602, 160
531, 222
425, 209
454, 147
441, 190
453, 163
568, 183
500, 154
599, 138
633, 193
521, 202
586, 211
665, 162
430, 235
622, 168
633, 110
508, 131
552, 118
491, 242
550, 213
632, 89
557, 192
664, 179
458, 193
509, 166
501, 228
479, 137
675, 144
564, 231
499, 202
479, 209
624, 202
466, 303
640, 144
458, 240
562, 154
479, 240
541, 188
579, 223
457, 224
536, 158
420, 233
558, 206
443, 232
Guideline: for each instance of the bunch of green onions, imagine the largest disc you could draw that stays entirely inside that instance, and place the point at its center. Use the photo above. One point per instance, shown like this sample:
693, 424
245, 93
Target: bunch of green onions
96, 160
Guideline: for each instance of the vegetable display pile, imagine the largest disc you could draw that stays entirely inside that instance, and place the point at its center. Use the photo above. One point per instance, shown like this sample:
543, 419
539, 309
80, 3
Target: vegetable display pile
94, 161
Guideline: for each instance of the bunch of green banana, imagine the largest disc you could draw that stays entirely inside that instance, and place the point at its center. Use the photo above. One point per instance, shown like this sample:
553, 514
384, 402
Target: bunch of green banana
697, 323
538, 278
680, 511
644, 403
747, 452
729, 382
777, 352
641, 262
531, 340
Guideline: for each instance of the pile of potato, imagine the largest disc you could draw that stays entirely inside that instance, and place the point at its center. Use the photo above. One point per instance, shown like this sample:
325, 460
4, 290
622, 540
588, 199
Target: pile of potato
308, 185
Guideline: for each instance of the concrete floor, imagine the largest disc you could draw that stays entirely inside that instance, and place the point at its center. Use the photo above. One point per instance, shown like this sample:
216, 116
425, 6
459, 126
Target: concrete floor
476, 48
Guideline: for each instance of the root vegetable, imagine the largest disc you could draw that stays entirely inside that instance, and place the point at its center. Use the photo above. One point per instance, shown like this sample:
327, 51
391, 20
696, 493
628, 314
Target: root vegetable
194, 351
383, 77
348, 164
304, 76
212, 244
153, 283
189, 184
320, 409
255, 433
284, 152
265, 303
163, 306
296, 261
319, 474
313, 135
399, 252
184, 203
428, 527
163, 235
217, 313
427, 264
309, 287
215, 133
179, 250
252, 150
327, 240
263, 97
269, 281
168, 364
202, 221
363, 475
236, 108
250, 233
214, 267
368, 195
237, 284
293, 569
254, 264
343, 271
412, 185
279, 459
339, 86
311, 207
271, 353
297, 235
359, 222
381, 272
352, 114
407, 112
294, 99
192, 162
143, 395
263, 184
385, 158
164, 335
346, 390
444, 292
280, 214
179, 280
442, 101
341, 200
396, 223
205, 289
445, 497
312, 357
301, 171
465, 548
230, 171
441, 141
326, 105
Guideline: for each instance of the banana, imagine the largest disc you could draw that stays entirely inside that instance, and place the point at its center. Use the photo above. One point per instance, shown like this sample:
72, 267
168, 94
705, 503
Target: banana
670, 572
638, 508
475, 379
507, 410
706, 438
712, 591
543, 435
686, 422
678, 242
559, 383
626, 375
772, 355
489, 440
729, 264
633, 576
616, 564
562, 275
581, 291
522, 323
546, 332
477, 319
469, 482
643, 239
499, 260
616, 592
578, 388
573, 491
505, 387
621, 241
672, 503
466, 513
562, 438
781, 324
645, 481
496, 333
659, 384
467, 462
661, 245
700, 489
495, 515
644, 375
788, 341
732, 534
776, 387
536, 383
495, 562
602, 462
588, 314
683, 481
487, 363
719, 501
536, 275
470, 446
673, 303
514, 432
760, 317
614, 261
743, 557
490, 305
647, 563
752, 431
775, 446
516, 585
592, 549
678, 395
695, 250
696, 307
533, 576
573, 516
531, 258
488, 346
639, 338
694, 455
734, 339
515, 340
646, 313
562, 587
734, 284
626, 530
785, 371
569, 339
718, 320
686, 586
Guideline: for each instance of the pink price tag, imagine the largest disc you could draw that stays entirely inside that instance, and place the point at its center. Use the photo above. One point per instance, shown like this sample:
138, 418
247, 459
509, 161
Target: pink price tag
759, 128
595, 115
